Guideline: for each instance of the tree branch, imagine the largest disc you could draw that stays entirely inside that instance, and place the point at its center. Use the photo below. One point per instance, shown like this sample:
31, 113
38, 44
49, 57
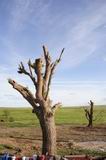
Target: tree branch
47, 70
91, 107
87, 114
24, 92
38, 70
53, 66
30, 68
56, 106
22, 70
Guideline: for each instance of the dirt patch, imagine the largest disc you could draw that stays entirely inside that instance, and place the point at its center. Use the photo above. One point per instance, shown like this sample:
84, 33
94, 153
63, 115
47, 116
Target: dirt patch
27, 141
93, 145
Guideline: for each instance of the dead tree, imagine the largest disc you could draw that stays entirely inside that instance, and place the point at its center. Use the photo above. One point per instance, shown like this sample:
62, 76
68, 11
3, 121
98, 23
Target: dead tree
41, 72
89, 114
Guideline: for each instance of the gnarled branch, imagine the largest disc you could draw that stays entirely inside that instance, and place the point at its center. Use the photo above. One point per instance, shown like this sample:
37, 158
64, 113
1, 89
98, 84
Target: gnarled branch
24, 92
22, 70
87, 114
56, 106
53, 66
30, 68
47, 70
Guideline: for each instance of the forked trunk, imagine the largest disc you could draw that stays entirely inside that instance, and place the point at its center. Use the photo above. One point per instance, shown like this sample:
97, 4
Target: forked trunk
89, 114
48, 134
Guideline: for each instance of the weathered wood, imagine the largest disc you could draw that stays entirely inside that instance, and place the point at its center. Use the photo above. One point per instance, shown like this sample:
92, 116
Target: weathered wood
53, 66
40, 101
49, 134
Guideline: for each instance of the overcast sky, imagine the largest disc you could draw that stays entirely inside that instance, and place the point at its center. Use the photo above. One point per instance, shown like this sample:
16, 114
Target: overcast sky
77, 25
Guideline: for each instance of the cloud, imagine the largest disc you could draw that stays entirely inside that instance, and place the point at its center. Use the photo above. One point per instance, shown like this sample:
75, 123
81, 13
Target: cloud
24, 12
70, 93
11, 54
81, 92
83, 40
80, 28
76, 31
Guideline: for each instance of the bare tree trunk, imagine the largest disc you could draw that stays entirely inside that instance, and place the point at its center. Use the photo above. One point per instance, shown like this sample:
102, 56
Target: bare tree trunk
90, 124
48, 134
89, 114
40, 72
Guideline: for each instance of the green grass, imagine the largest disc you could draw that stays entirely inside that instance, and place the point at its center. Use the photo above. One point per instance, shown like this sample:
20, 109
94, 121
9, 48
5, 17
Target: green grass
23, 117
76, 115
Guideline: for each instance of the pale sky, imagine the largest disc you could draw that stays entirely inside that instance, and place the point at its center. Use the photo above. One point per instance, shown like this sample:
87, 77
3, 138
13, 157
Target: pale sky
79, 26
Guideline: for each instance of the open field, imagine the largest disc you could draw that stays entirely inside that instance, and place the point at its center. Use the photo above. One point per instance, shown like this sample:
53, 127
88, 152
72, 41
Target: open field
23, 117
20, 132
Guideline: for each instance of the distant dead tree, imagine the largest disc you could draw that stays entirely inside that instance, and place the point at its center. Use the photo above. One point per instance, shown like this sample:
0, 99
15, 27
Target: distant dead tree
41, 72
89, 113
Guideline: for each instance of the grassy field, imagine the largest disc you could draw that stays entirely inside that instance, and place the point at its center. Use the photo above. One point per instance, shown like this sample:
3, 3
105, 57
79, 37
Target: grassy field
18, 131
23, 117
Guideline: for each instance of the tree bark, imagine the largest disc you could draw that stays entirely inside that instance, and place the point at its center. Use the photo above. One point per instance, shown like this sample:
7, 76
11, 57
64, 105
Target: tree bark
90, 124
91, 115
48, 134
40, 101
